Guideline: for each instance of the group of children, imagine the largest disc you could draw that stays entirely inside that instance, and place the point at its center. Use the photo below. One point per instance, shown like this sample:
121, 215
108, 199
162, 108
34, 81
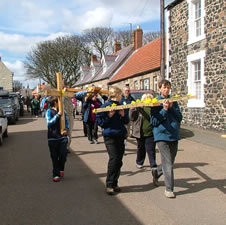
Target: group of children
156, 125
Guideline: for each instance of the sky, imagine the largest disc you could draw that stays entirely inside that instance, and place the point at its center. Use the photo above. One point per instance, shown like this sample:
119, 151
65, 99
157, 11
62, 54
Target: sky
24, 23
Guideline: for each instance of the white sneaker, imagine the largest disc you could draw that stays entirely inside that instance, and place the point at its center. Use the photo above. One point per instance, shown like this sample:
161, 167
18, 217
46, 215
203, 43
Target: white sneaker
139, 166
169, 194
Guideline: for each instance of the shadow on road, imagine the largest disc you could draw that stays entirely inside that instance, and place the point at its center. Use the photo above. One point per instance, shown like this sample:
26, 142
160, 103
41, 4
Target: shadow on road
29, 196
186, 133
192, 187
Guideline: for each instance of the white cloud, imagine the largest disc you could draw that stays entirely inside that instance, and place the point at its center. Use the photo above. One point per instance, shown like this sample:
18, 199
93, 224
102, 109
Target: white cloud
16, 43
17, 68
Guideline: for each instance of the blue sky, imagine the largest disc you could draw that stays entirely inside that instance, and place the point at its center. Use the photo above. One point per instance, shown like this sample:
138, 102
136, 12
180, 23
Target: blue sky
24, 23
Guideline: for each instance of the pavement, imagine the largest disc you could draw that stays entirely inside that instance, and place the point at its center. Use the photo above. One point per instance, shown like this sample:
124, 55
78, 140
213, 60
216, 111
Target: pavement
28, 195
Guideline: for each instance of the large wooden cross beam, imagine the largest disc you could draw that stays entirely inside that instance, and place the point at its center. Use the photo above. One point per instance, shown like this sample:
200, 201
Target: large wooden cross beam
61, 93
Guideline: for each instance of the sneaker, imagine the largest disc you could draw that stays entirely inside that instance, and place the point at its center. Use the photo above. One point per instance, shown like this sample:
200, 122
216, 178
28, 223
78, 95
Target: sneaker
96, 142
56, 179
169, 194
61, 173
110, 191
139, 166
155, 177
91, 142
117, 189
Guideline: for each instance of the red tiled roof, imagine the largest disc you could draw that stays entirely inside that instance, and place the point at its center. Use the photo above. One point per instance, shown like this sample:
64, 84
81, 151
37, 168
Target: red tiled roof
144, 59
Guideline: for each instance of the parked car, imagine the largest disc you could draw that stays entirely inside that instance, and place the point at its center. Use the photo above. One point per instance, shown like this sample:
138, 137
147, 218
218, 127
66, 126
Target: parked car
7, 104
137, 94
15, 99
3, 125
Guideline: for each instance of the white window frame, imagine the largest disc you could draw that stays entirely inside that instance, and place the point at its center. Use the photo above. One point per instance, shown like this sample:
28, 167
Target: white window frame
155, 84
145, 84
192, 59
136, 85
192, 38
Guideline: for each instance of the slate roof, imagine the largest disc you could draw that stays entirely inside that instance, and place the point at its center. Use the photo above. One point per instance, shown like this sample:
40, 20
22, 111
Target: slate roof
116, 60
146, 58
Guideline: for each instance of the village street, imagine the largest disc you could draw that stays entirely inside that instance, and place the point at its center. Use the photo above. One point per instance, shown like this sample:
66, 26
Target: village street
28, 196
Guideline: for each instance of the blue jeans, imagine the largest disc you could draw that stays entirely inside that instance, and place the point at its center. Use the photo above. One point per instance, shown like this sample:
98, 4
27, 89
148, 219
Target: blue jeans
146, 144
168, 152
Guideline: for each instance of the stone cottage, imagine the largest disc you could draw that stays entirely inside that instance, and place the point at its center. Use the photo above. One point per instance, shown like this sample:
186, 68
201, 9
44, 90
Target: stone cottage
6, 77
196, 59
142, 70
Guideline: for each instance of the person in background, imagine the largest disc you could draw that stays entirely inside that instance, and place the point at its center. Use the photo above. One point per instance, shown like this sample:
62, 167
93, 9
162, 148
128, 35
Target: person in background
165, 121
127, 99
44, 106
57, 141
142, 131
74, 103
114, 133
91, 102
68, 108
35, 105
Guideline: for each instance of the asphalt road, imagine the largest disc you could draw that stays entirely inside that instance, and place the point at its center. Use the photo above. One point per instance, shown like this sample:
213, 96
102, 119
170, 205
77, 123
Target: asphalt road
28, 196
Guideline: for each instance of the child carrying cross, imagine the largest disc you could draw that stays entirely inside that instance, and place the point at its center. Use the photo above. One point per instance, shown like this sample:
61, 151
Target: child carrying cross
57, 140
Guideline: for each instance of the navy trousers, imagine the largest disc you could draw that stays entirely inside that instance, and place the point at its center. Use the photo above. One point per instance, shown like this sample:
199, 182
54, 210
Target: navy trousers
146, 144
115, 148
58, 154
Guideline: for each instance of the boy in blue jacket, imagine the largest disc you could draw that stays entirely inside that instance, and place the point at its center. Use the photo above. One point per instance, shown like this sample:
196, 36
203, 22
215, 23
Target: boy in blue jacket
57, 141
165, 120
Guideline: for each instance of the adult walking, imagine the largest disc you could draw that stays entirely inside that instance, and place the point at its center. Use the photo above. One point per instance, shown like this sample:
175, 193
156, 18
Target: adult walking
165, 120
114, 133
142, 131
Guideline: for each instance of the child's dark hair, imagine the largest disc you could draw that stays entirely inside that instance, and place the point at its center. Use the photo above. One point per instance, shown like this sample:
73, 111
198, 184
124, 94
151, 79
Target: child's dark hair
164, 82
52, 101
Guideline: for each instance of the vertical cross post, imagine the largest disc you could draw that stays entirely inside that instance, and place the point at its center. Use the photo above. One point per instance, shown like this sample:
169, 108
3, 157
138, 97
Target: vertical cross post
61, 100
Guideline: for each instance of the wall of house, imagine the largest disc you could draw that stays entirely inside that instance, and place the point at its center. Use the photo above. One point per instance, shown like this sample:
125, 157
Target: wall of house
131, 81
6, 77
213, 115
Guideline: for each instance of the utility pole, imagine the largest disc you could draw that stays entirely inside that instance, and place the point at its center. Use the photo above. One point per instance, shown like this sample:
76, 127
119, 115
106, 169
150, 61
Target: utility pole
162, 65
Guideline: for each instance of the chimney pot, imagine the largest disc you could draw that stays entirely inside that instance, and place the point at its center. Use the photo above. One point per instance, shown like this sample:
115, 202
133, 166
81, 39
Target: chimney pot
117, 46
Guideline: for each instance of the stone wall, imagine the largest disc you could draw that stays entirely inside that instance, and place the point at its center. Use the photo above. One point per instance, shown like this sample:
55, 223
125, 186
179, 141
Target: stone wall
213, 115
6, 77
131, 81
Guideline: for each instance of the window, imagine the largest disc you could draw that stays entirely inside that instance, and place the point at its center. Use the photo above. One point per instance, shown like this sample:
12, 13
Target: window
196, 20
196, 78
136, 85
145, 84
155, 84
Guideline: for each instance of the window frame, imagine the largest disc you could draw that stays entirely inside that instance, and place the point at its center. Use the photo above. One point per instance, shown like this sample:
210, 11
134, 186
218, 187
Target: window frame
192, 61
192, 37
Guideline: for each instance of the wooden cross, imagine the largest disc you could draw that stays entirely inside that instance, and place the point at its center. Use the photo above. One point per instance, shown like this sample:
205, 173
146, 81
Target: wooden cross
61, 93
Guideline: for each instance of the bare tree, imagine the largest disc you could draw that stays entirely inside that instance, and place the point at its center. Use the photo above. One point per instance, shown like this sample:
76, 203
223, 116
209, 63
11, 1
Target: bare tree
99, 40
150, 36
17, 85
60, 55
124, 37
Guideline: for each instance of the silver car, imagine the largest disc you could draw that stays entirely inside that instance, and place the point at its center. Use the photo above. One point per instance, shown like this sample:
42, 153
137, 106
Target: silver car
3, 125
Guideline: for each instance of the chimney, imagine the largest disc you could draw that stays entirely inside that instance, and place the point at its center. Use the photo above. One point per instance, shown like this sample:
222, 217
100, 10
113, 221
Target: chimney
117, 46
93, 58
137, 38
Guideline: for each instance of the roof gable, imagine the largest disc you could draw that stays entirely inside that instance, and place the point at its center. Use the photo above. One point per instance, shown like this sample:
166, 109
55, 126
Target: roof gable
144, 59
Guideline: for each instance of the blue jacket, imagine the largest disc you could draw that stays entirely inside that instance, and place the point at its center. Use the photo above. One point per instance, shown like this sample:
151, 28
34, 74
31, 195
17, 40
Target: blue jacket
53, 124
126, 101
166, 124
113, 126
